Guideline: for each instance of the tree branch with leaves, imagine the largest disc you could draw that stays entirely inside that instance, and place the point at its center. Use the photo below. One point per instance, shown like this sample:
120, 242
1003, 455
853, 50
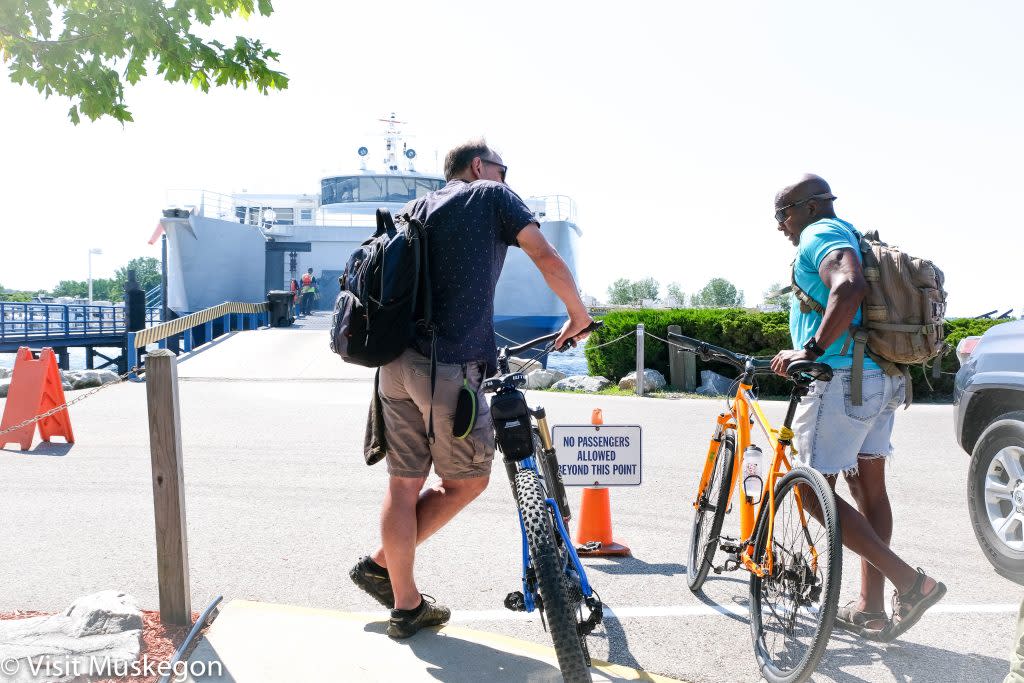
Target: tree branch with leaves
88, 50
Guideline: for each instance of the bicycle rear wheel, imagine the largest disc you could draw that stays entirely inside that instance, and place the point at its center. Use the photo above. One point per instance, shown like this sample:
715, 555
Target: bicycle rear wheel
793, 609
710, 512
561, 602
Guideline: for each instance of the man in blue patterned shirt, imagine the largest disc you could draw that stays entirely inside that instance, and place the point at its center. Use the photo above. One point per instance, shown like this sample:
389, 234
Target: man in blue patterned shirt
471, 222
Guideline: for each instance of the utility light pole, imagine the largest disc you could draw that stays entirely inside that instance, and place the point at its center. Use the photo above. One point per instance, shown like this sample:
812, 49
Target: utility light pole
92, 251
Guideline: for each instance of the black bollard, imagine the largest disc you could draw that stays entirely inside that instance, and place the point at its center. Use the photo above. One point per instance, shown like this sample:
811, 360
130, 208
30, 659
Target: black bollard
135, 314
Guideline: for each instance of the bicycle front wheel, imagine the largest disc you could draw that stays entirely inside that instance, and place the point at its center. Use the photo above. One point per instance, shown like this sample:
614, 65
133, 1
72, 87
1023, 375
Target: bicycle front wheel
710, 512
792, 609
560, 607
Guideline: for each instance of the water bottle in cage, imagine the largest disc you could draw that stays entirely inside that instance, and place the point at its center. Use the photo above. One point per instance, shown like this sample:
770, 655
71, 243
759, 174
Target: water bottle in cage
753, 475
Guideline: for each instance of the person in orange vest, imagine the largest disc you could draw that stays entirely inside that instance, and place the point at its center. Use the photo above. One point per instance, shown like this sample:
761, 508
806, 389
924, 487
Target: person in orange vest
308, 291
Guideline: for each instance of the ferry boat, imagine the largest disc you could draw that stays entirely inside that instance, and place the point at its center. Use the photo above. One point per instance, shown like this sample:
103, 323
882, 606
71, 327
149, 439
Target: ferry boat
238, 247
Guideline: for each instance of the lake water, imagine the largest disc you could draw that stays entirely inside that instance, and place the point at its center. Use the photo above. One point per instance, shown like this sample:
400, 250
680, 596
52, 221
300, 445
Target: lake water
572, 362
76, 357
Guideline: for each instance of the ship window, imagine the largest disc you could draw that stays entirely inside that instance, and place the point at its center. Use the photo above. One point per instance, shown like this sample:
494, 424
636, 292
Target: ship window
305, 214
338, 190
376, 188
371, 189
284, 216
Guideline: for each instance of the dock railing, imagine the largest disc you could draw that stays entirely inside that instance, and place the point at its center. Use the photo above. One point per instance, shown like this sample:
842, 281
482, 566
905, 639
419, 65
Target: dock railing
30, 322
232, 315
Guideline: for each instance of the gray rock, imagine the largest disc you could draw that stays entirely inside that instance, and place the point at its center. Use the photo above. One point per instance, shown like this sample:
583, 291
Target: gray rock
66, 386
88, 379
517, 364
103, 613
583, 383
713, 384
543, 379
653, 381
5, 373
5, 384
104, 628
107, 376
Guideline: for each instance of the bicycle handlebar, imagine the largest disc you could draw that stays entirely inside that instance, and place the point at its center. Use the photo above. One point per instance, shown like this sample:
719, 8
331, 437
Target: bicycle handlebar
711, 352
800, 372
513, 350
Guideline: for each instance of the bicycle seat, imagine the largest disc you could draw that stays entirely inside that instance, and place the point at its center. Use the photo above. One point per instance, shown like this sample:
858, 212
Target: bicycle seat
804, 372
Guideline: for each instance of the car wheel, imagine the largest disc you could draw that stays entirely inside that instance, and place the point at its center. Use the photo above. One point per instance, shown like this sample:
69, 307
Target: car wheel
995, 494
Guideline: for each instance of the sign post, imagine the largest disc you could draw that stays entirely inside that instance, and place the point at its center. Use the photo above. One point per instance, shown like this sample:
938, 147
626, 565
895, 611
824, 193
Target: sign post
597, 456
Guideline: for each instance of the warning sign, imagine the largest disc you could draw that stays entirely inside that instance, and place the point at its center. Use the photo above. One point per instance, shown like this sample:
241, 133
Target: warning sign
598, 455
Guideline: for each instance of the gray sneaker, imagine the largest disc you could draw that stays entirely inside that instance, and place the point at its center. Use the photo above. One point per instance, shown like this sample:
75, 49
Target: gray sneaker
404, 623
374, 580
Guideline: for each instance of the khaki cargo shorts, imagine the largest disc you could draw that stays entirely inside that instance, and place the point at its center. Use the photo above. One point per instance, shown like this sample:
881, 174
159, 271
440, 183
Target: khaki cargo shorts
405, 400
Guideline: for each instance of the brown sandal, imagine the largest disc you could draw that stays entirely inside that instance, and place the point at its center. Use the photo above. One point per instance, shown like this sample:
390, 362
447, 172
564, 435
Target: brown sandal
909, 607
855, 621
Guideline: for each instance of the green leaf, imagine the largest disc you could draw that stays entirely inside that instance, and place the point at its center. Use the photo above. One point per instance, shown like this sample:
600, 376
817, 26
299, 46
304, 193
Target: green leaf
101, 42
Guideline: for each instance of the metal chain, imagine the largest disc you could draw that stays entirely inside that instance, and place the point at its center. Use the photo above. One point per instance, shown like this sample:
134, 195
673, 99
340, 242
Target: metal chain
630, 333
67, 404
665, 341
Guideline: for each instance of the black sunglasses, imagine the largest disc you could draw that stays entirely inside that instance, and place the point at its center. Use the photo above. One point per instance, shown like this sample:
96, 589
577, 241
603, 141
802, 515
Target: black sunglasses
503, 167
780, 213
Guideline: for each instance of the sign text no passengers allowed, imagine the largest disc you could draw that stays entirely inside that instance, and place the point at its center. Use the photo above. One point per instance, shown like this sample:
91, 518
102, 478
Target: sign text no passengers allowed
598, 455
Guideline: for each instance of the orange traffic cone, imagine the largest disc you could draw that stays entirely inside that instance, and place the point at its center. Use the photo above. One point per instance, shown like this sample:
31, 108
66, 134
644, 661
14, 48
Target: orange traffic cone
594, 535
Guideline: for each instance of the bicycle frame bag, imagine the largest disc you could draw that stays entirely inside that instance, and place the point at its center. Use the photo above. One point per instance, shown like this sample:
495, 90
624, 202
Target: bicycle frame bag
511, 418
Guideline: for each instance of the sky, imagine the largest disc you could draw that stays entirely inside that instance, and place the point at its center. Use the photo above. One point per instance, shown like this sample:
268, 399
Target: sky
672, 126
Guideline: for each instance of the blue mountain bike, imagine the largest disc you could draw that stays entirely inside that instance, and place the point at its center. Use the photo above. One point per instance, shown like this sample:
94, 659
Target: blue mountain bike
553, 577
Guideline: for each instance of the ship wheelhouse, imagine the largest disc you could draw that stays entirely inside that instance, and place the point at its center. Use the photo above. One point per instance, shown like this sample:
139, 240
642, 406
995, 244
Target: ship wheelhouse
362, 189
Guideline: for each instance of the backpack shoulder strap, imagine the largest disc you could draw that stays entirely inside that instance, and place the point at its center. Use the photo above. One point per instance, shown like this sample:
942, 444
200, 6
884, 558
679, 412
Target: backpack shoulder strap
385, 223
807, 302
426, 322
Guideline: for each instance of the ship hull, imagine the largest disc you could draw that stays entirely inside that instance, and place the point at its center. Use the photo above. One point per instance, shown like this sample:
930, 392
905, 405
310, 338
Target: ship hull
211, 260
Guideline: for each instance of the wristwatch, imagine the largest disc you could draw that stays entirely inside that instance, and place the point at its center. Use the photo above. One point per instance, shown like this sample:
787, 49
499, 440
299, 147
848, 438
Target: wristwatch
812, 347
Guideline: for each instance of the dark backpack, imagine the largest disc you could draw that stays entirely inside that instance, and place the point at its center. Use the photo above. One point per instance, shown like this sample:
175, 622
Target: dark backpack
385, 294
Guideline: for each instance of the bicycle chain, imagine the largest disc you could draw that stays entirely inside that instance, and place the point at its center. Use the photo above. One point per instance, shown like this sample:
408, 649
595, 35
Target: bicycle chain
67, 404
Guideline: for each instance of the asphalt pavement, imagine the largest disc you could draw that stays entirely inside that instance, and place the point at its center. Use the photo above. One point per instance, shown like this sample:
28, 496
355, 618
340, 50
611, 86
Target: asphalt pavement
280, 504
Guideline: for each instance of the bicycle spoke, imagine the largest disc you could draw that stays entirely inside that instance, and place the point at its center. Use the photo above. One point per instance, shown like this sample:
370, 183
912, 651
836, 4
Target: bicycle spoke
791, 596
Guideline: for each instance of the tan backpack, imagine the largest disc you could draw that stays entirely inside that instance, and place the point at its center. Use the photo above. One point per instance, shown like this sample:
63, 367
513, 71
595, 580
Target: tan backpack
902, 315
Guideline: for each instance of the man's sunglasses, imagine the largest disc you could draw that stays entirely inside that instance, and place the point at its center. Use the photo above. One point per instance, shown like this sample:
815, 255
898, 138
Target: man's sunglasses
503, 167
780, 213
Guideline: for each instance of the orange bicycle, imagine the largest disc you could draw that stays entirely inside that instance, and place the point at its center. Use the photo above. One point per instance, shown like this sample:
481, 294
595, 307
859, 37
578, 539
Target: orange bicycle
792, 546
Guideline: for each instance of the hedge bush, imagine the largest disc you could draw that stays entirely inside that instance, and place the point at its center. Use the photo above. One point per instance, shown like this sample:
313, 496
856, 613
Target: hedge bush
752, 333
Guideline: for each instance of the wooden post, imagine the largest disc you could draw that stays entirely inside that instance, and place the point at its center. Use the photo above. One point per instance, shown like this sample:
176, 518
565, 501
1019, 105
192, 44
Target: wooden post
682, 366
168, 487
689, 372
675, 359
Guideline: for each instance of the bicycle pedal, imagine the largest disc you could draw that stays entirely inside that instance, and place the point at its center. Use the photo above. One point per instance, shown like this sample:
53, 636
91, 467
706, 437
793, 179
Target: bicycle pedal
731, 564
730, 545
515, 601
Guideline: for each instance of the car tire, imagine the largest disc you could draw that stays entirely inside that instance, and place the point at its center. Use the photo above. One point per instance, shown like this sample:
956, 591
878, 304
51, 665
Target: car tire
1002, 440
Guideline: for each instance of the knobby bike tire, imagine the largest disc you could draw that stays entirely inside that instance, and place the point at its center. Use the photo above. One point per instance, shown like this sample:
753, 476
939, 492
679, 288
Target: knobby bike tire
704, 545
764, 617
559, 610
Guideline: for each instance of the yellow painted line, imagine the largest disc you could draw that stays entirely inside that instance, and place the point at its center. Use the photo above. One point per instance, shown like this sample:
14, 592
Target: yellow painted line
495, 640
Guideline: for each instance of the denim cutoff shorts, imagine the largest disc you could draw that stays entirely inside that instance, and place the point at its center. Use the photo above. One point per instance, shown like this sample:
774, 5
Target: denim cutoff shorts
832, 433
